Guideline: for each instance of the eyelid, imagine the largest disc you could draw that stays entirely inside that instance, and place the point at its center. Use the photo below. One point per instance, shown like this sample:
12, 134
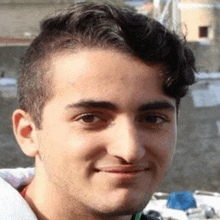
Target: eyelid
104, 117
78, 117
163, 117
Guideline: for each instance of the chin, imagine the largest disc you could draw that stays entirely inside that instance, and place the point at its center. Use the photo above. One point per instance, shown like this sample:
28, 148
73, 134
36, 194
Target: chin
123, 207
121, 211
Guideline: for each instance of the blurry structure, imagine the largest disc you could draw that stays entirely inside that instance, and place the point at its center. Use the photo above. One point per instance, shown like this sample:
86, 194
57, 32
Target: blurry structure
19, 24
21, 18
143, 7
200, 21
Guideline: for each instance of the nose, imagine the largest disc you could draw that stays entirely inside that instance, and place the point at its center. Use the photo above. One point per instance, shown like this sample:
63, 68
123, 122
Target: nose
126, 142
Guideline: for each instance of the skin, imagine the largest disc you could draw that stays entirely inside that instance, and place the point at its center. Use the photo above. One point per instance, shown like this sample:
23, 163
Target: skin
107, 138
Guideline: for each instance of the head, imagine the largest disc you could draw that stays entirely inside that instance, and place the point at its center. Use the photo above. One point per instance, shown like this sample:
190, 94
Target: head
99, 92
102, 26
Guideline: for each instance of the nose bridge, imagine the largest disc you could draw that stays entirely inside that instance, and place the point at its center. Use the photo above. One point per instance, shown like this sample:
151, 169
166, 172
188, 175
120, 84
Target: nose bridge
127, 143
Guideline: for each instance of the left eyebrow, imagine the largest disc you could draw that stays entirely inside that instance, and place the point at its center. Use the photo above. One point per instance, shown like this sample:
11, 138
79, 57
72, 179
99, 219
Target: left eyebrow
156, 105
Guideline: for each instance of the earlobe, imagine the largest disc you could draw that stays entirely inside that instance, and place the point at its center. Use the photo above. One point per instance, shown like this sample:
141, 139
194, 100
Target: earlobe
25, 132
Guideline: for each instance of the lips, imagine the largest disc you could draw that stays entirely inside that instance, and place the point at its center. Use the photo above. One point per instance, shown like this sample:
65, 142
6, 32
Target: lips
122, 169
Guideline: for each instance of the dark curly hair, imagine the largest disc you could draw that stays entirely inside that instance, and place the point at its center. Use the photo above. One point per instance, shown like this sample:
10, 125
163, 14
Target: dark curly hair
93, 25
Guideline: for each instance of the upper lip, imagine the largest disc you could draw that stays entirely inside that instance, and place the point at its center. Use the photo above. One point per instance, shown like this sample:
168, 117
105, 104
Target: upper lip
122, 169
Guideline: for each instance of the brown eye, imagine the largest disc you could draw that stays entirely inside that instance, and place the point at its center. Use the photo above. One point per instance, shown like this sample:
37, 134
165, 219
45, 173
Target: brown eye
153, 119
89, 118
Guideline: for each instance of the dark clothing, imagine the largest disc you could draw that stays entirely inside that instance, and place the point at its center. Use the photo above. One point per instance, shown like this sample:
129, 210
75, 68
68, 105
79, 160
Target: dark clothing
144, 217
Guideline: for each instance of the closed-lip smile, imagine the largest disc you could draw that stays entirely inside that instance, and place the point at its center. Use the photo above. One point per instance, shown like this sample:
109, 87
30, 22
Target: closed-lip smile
123, 172
122, 169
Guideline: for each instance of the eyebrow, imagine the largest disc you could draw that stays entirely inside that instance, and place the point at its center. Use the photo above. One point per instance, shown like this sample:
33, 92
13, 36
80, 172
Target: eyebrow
93, 104
110, 106
156, 105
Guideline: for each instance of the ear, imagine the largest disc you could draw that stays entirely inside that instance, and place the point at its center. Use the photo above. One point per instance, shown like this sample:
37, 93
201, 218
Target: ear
25, 132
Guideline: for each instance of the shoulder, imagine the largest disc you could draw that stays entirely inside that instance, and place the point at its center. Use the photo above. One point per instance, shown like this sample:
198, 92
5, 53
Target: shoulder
18, 176
13, 206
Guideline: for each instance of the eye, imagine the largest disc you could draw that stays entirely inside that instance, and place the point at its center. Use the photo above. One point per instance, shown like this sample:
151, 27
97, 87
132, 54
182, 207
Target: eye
90, 118
154, 119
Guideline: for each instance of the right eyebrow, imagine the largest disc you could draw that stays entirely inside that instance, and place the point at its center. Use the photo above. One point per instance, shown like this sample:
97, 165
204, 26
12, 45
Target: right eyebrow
93, 104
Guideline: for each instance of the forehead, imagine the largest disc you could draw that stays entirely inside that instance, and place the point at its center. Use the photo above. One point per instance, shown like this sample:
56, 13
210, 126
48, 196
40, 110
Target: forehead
98, 73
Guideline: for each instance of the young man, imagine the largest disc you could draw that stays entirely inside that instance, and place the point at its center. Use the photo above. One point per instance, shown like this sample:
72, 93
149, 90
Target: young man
99, 91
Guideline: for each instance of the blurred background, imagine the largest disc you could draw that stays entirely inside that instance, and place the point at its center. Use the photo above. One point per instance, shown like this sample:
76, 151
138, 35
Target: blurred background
196, 164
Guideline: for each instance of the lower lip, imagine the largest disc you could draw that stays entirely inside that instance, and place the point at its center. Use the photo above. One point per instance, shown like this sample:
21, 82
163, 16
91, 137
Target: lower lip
123, 175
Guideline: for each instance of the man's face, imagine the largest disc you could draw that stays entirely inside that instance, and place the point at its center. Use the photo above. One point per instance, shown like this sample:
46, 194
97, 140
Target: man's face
109, 132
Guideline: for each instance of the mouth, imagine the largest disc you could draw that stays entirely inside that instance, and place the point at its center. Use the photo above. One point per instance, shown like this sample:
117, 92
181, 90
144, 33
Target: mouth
123, 169
124, 174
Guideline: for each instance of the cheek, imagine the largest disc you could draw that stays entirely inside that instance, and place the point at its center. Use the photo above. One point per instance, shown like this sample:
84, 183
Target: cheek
86, 148
162, 147
169, 146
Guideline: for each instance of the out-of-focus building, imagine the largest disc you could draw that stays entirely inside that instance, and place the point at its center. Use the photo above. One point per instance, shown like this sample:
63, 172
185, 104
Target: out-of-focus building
19, 24
20, 18
146, 9
201, 19
143, 7
200, 22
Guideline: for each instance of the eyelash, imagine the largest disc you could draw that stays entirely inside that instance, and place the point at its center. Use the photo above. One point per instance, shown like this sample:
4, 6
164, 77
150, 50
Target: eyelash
85, 116
156, 117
